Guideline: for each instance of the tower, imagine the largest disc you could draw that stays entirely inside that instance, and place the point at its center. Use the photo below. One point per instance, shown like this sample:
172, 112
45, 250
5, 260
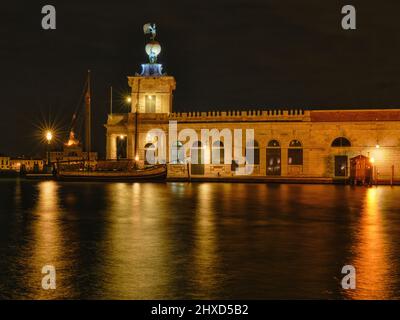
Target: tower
151, 89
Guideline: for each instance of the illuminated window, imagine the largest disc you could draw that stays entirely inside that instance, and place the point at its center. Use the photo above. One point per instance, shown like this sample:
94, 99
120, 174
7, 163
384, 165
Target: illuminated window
273, 158
150, 104
295, 153
121, 148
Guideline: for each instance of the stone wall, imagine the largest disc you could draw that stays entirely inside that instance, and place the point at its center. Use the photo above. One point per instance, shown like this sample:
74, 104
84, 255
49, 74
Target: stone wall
314, 129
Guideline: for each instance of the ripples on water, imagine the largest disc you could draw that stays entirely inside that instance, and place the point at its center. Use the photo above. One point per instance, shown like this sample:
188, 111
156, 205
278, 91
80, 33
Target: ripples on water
184, 241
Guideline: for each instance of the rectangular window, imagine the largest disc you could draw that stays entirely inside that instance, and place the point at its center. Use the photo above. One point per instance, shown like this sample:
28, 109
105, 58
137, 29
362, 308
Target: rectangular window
150, 104
295, 157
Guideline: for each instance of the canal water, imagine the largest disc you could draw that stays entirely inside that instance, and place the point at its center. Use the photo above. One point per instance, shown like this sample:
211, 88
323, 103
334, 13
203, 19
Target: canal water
198, 240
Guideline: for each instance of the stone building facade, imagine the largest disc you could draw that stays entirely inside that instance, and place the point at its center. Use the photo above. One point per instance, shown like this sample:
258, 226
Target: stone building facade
290, 144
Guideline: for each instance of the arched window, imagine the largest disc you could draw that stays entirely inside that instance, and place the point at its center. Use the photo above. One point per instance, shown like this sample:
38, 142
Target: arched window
341, 142
149, 154
295, 153
273, 158
295, 144
273, 144
252, 146
217, 153
177, 153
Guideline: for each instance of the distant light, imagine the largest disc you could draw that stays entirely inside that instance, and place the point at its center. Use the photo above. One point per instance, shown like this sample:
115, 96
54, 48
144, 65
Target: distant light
122, 137
49, 136
128, 99
372, 160
377, 146
137, 158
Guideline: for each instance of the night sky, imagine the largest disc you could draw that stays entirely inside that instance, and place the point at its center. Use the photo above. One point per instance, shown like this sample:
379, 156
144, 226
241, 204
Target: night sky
224, 54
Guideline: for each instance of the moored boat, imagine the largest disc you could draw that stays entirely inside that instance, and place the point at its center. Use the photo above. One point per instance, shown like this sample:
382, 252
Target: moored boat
154, 173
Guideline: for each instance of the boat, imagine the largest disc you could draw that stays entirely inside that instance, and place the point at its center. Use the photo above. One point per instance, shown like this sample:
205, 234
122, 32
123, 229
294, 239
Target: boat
154, 173
106, 170
39, 176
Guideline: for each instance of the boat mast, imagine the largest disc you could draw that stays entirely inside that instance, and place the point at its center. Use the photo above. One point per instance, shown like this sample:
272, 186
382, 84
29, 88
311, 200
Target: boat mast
111, 101
87, 118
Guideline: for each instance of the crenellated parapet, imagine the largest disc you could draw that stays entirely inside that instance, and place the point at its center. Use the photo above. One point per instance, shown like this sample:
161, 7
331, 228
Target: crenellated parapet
238, 116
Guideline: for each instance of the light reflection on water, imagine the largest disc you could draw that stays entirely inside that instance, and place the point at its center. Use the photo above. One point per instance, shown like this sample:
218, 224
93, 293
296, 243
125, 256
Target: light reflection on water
371, 251
182, 240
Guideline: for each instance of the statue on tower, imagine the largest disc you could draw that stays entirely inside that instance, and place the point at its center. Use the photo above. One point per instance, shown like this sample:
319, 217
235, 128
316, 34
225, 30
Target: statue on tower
150, 28
153, 49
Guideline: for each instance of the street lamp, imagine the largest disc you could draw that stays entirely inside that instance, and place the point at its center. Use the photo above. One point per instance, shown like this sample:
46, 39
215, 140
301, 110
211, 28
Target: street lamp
49, 137
128, 99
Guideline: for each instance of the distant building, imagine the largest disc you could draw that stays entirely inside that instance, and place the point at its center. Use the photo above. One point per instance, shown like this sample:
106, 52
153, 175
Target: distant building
27, 164
4, 162
72, 152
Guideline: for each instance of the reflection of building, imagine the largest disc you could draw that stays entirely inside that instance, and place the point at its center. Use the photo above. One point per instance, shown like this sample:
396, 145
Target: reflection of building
290, 144
72, 151
27, 164
4, 162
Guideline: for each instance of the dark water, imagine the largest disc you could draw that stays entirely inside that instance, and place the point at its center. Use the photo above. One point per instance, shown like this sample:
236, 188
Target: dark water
215, 241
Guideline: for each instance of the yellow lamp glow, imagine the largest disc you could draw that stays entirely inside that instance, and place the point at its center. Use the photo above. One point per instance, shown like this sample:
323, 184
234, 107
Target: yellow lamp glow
128, 99
372, 160
49, 136
137, 158
377, 146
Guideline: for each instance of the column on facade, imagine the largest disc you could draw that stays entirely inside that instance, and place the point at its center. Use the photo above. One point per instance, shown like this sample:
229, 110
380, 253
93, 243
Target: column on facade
284, 161
112, 146
130, 141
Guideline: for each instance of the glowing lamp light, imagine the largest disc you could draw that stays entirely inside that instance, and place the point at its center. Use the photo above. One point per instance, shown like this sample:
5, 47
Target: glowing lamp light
128, 99
122, 137
49, 136
137, 158
377, 146
372, 160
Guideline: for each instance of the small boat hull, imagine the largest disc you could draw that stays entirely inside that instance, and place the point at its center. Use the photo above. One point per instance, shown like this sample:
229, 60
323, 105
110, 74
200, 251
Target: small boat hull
152, 174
